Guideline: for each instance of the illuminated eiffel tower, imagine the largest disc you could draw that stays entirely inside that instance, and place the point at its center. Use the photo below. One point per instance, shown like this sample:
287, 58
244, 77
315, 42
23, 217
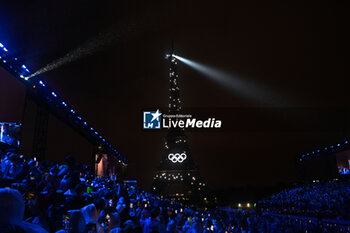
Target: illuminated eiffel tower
177, 176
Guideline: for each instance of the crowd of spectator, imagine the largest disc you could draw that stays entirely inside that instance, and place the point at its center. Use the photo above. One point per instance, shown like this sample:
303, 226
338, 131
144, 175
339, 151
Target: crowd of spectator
69, 198
329, 200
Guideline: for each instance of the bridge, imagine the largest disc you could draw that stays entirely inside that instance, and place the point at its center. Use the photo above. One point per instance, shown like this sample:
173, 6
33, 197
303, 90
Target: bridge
49, 102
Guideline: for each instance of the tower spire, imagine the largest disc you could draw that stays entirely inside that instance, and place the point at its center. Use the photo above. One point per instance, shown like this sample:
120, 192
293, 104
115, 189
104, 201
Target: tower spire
172, 47
177, 176
174, 90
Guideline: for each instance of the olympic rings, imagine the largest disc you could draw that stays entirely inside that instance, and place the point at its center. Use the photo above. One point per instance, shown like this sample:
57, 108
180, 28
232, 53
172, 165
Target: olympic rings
177, 157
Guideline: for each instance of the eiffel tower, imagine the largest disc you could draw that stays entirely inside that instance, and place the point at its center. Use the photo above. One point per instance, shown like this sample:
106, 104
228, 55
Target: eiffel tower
177, 177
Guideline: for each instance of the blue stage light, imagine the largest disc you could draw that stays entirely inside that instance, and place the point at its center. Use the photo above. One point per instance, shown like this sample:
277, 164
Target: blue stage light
72, 111
85, 123
42, 84
346, 142
79, 118
24, 67
54, 94
5, 49
96, 133
1, 45
91, 129
64, 104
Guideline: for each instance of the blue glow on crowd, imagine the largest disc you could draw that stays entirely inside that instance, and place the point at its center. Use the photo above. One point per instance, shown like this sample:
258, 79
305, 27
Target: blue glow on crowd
66, 197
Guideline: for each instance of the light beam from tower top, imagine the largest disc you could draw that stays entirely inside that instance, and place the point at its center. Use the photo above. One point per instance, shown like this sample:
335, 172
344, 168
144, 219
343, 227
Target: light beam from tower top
171, 56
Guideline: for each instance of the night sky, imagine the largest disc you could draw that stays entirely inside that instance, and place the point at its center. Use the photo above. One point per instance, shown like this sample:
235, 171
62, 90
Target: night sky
294, 49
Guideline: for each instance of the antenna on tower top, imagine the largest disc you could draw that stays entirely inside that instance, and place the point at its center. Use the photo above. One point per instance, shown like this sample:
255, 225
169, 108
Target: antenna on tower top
172, 53
172, 47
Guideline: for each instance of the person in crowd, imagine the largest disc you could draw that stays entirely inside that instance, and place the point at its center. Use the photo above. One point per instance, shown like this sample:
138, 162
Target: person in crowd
171, 226
115, 226
91, 214
12, 213
153, 223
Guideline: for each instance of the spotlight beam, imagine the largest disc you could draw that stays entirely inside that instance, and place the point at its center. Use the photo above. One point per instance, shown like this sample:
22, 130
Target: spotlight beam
98, 43
88, 48
231, 82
